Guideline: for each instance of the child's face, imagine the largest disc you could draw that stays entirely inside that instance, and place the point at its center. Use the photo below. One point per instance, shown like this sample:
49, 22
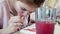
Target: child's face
19, 6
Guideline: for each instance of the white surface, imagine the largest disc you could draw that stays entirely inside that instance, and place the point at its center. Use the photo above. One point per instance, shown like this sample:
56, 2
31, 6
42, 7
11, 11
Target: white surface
26, 31
57, 29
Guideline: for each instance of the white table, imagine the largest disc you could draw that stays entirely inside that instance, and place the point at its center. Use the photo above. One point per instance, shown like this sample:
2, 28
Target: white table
57, 29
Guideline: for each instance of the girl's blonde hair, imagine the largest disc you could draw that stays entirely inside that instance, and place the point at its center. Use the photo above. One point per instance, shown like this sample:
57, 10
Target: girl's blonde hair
31, 2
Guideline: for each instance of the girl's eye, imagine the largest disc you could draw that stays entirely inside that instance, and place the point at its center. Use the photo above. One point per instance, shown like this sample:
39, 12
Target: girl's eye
24, 9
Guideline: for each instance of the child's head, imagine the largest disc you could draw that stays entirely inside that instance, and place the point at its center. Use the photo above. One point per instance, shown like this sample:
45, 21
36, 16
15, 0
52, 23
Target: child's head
30, 5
